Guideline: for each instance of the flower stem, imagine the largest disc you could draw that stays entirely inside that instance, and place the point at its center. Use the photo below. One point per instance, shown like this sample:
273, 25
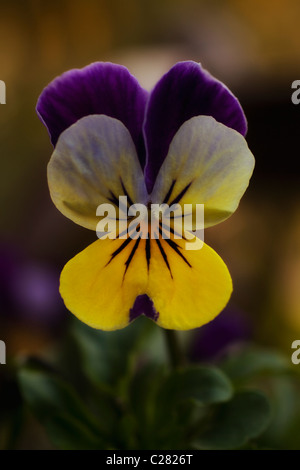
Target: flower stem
174, 348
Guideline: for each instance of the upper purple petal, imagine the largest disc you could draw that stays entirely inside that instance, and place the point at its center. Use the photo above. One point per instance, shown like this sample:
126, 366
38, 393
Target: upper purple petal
187, 90
99, 88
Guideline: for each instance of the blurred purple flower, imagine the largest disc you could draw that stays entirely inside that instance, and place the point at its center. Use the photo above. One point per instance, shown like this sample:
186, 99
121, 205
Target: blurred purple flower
213, 339
28, 290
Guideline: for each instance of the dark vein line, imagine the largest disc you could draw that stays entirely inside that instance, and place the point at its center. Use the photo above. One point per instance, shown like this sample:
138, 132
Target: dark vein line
118, 250
127, 230
167, 197
113, 199
148, 251
129, 202
165, 258
118, 204
129, 259
181, 194
171, 229
175, 247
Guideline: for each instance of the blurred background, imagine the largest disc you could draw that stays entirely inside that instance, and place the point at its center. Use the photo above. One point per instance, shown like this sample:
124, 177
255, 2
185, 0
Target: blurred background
254, 48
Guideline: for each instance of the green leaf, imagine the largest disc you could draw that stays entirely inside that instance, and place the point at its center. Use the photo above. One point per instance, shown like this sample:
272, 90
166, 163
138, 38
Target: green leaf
67, 433
142, 401
142, 391
55, 404
284, 429
106, 357
184, 390
234, 423
203, 384
175, 401
255, 361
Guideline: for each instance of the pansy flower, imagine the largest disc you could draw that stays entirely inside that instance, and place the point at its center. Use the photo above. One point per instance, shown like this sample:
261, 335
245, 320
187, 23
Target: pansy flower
181, 143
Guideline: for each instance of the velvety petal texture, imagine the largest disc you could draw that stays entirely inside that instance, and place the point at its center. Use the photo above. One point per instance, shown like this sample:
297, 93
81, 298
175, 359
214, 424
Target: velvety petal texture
99, 88
181, 144
207, 163
93, 163
95, 289
192, 291
110, 283
185, 91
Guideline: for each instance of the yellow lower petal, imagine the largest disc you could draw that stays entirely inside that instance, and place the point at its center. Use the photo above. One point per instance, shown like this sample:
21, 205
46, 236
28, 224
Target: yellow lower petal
186, 292
192, 296
94, 288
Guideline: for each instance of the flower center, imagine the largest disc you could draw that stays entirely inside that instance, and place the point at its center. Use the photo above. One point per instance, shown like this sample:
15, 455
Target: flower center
151, 225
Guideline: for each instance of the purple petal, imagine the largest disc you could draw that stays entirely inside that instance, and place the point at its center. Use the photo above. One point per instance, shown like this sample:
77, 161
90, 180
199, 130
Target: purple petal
185, 91
28, 290
36, 294
99, 88
230, 328
143, 305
